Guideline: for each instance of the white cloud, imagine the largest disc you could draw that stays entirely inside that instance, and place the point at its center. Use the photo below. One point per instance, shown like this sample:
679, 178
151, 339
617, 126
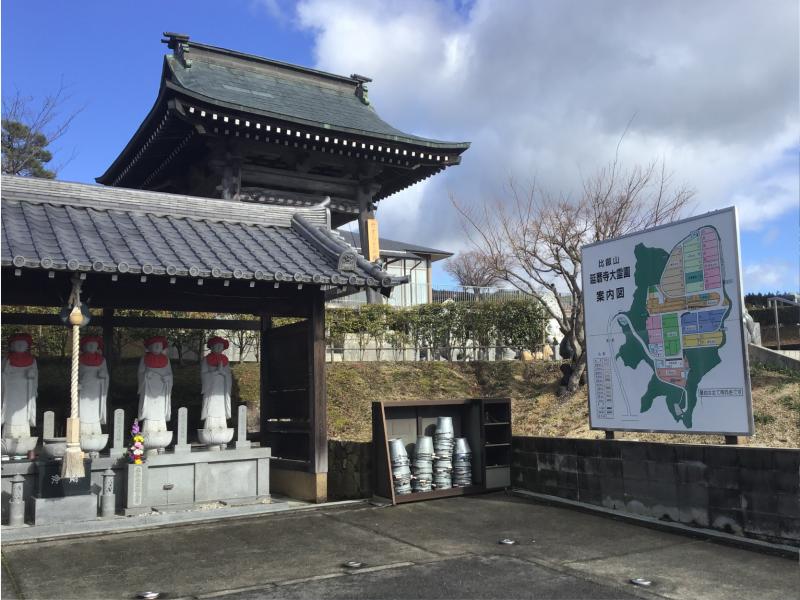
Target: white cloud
770, 277
545, 89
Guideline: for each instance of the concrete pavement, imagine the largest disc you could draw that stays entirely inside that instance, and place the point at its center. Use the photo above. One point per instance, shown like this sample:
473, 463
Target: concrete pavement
438, 549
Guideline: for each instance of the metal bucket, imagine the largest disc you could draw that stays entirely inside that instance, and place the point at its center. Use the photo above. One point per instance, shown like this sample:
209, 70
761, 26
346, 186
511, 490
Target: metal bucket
424, 447
444, 425
462, 446
397, 451
442, 484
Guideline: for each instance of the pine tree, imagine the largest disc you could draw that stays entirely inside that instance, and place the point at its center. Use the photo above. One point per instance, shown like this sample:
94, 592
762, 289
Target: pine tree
25, 151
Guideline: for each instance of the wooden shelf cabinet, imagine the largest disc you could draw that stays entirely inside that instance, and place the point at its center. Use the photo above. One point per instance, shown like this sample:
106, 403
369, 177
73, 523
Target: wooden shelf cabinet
485, 422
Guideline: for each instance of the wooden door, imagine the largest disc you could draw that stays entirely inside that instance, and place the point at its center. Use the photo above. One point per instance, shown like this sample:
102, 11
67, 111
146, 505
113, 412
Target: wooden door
293, 399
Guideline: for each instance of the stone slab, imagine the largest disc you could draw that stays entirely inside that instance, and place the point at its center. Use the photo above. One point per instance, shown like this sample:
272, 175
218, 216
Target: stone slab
118, 441
69, 509
172, 480
48, 424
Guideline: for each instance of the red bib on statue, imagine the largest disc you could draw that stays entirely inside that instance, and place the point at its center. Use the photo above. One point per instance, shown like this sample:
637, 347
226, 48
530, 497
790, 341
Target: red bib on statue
91, 359
155, 361
20, 359
215, 359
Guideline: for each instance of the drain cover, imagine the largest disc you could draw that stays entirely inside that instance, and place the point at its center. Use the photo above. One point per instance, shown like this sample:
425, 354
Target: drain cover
353, 564
641, 581
507, 542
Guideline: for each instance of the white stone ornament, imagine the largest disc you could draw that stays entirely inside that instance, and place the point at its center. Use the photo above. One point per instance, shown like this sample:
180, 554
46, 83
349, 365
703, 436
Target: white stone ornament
20, 383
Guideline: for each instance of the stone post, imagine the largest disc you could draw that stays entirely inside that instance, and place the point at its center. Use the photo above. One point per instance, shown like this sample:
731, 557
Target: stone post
49, 425
107, 497
16, 506
241, 428
182, 445
118, 448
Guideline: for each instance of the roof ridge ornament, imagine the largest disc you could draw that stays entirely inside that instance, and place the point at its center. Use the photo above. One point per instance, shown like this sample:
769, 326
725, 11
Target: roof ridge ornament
179, 44
361, 89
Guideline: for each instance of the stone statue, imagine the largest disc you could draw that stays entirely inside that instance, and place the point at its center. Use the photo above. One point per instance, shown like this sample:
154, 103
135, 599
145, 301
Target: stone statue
20, 383
216, 380
155, 388
752, 330
92, 394
93, 378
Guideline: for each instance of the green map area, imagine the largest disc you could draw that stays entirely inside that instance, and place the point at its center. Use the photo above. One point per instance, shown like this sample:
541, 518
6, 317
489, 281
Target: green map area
678, 364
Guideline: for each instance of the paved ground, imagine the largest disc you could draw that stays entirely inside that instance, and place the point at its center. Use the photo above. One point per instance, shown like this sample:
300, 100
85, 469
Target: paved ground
438, 549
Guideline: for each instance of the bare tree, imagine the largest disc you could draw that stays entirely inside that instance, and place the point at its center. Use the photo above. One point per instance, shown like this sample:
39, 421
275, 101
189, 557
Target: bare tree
29, 130
534, 240
471, 270
244, 341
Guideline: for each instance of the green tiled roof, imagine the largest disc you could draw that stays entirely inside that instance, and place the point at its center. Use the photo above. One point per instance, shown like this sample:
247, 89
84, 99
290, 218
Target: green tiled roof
254, 84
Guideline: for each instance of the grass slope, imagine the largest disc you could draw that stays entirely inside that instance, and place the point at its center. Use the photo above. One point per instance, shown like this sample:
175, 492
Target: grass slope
536, 408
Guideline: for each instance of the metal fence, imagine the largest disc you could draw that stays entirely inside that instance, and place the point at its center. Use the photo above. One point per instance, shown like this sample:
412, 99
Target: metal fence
412, 294
371, 353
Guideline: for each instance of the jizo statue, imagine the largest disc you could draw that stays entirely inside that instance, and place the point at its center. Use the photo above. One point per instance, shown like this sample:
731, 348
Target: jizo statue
155, 385
216, 385
20, 383
93, 390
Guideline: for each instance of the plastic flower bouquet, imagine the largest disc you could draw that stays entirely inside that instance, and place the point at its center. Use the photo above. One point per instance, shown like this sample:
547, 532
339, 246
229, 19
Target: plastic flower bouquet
136, 450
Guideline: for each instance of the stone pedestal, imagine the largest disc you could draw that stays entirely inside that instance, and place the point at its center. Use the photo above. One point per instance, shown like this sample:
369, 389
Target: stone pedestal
18, 447
156, 441
215, 439
94, 443
181, 480
68, 509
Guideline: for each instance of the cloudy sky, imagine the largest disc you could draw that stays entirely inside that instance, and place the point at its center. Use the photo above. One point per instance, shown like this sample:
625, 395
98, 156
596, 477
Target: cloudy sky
543, 89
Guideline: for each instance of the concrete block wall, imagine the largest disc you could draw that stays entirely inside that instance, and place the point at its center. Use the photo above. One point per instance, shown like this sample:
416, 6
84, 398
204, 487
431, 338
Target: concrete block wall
750, 492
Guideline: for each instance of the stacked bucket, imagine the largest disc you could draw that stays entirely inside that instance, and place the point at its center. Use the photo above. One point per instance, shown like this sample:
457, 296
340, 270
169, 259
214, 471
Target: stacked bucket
443, 443
462, 464
401, 471
423, 464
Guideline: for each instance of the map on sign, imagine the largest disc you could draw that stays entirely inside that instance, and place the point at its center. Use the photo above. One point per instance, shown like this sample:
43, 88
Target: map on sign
663, 328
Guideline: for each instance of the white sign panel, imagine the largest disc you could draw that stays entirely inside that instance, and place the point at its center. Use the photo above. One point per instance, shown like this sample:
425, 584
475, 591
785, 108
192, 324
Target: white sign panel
664, 336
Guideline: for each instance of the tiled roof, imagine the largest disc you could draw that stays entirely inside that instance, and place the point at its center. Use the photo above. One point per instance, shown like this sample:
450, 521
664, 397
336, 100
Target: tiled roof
303, 95
396, 248
76, 227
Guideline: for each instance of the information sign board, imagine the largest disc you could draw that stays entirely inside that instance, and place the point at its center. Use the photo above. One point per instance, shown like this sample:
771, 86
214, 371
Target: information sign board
664, 332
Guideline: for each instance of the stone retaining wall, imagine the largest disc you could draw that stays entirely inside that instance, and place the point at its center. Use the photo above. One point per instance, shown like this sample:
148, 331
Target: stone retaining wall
783, 359
751, 492
349, 470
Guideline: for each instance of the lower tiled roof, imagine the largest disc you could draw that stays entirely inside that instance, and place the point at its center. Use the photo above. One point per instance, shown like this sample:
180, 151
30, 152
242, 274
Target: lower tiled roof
77, 227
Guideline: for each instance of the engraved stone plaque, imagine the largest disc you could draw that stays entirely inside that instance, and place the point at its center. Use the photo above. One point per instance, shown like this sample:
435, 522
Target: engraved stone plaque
183, 417
119, 426
49, 425
138, 484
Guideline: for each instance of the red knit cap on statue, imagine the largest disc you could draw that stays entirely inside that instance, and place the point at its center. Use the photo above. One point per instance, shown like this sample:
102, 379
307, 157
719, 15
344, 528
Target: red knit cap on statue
21, 336
217, 340
93, 338
156, 338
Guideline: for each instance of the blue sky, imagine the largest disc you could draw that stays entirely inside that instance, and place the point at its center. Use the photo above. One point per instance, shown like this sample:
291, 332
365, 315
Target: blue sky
541, 89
